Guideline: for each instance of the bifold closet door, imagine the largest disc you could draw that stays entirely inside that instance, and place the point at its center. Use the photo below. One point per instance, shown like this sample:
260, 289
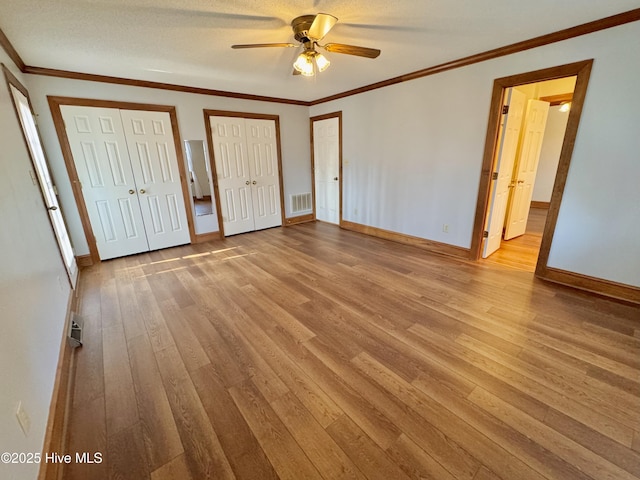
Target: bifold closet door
127, 166
248, 178
155, 168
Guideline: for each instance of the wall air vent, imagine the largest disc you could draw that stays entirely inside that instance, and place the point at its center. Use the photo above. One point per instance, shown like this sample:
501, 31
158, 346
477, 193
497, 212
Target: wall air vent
301, 202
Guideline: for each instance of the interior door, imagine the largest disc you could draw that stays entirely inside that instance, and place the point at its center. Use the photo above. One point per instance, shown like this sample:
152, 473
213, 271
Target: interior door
99, 149
526, 168
262, 150
326, 161
504, 162
232, 171
154, 164
34, 144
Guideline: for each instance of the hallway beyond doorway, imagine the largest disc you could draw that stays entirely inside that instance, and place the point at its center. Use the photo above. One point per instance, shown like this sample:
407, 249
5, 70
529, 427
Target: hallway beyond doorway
522, 252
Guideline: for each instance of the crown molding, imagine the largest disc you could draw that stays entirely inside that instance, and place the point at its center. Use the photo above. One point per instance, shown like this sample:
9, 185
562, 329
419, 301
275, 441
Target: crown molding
12, 52
579, 30
90, 77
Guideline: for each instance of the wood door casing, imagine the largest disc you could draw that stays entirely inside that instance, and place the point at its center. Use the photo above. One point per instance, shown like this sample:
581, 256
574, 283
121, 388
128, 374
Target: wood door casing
210, 128
56, 104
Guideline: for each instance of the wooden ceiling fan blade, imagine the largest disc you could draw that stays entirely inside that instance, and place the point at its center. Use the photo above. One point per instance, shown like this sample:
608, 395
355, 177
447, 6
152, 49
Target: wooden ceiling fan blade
261, 45
352, 50
295, 72
321, 26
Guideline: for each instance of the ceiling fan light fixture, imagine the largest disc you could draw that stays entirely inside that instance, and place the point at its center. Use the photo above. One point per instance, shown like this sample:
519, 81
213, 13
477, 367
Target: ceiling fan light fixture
304, 64
322, 62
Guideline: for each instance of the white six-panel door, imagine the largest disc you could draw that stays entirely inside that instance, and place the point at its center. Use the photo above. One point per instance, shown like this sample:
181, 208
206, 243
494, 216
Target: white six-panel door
246, 158
113, 181
262, 151
326, 152
232, 170
527, 165
155, 168
505, 159
99, 149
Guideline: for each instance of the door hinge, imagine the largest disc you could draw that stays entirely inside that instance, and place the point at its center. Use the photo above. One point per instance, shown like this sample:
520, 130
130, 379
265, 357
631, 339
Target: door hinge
494, 176
505, 109
485, 234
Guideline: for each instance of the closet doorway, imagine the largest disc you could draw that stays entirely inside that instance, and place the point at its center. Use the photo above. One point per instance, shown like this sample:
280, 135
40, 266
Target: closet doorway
128, 175
247, 170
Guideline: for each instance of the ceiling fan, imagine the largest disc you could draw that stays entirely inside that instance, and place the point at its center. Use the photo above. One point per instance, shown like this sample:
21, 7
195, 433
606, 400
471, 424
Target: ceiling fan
309, 30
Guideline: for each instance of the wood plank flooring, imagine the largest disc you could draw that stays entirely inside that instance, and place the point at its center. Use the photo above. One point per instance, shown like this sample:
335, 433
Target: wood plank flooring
310, 352
522, 252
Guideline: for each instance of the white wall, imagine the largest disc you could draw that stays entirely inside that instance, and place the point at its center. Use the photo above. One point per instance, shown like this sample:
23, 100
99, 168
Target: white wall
34, 293
294, 131
550, 154
413, 153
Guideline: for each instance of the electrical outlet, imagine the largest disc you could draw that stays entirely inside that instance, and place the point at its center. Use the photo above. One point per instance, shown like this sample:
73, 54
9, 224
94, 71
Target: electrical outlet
445, 228
23, 419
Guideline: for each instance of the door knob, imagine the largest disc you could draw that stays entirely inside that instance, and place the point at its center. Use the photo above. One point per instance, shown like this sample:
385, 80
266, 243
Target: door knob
335, 178
247, 182
132, 191
254, 182
142, 190
53, 207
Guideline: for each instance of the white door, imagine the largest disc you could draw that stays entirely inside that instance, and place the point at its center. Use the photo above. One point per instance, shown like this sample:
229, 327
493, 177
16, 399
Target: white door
248, 178
127, 165
526, 168
262, 151
232, 169
46, 184
155, 168
99, 150
505, 158
326, 152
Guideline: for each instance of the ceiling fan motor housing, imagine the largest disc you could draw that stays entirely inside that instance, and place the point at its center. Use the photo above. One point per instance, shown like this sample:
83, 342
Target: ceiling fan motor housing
301, 26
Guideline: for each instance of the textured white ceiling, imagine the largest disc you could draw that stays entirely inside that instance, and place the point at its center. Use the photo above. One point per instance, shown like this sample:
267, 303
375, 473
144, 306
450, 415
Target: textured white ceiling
187, 42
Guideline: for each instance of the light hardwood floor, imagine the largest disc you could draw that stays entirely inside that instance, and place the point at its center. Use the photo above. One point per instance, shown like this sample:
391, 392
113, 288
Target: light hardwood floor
522, 252
310, 352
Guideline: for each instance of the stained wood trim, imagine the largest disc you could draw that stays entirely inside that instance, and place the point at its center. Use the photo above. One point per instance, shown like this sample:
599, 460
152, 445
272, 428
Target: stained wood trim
317, 118
310, 217
11, 51
212, 164
580, 69
430, 245
56, 430
599, 286
559, 36
544, 205
84, 261
51, 72
555, 100
206, 237
56, 102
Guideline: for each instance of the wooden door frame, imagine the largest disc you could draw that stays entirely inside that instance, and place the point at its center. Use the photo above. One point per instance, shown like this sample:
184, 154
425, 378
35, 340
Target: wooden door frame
212, 159
582, 71
318, 118
54, 105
